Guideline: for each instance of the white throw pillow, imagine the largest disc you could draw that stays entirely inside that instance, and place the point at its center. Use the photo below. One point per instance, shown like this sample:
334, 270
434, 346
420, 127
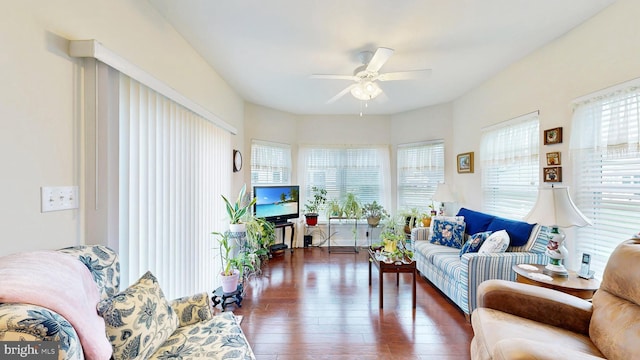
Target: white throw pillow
497, 242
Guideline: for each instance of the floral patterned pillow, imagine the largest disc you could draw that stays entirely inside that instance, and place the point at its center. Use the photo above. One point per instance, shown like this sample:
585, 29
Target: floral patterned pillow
475, 242
138, 319
447, 231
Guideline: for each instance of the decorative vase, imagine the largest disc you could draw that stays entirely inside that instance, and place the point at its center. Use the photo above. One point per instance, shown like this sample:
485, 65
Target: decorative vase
230, 282
426, 222
312, 219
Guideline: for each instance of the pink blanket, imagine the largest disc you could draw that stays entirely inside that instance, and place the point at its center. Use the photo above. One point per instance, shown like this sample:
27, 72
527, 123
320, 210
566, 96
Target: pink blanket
63, 284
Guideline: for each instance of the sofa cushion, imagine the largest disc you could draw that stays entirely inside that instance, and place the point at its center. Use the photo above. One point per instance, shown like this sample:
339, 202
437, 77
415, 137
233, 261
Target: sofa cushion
495, 243
447, 231
218, 338
519, 231
139, 319
475, 242
476, 221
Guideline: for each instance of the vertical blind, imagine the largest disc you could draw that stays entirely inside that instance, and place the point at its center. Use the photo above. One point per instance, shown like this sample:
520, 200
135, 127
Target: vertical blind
606, 162
270, 163
510, 166
420, 169
363, 171
173, 166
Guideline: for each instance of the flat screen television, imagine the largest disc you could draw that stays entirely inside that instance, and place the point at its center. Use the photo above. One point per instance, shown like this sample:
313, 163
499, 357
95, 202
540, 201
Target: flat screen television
277, 203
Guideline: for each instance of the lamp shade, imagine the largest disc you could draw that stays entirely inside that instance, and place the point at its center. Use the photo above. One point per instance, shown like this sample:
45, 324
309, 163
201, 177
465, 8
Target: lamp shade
555, 207
443, 194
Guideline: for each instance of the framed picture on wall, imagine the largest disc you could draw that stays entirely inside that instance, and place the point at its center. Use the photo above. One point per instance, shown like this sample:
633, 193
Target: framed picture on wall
553, 136
465, 163
552, 174
553, 158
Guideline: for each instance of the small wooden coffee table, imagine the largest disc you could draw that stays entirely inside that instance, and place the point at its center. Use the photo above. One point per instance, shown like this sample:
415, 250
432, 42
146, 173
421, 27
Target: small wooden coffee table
572, 284
397, 268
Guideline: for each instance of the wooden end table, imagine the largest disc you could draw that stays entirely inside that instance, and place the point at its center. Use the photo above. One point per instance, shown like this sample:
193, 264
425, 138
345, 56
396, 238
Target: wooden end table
572, 284
397, 268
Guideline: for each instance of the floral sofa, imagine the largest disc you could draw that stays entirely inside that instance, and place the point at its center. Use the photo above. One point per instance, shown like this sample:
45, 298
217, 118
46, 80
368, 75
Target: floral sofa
457, 273
139, 323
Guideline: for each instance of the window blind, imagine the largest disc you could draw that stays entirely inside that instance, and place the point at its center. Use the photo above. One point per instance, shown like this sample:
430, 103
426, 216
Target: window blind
340, 170
270, 163
509, 154
420, 169
606, 162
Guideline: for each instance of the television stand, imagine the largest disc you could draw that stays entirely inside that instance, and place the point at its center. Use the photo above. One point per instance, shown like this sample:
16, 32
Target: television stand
283, 226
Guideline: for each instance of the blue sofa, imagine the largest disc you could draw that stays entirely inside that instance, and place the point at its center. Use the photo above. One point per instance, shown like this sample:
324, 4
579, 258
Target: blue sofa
458, 276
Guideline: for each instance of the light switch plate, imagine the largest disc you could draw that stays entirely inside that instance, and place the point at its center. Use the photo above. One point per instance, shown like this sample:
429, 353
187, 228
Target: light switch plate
55, 198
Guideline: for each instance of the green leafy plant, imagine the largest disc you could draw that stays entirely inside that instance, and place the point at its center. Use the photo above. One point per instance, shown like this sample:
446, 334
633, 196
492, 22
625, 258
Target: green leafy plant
317, 202
240, 262
351, 206
238, 210
373, 209
261, 235
334, 208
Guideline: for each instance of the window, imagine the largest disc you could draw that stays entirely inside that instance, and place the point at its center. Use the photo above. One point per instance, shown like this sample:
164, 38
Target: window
606, 162
363, 171
270, 163
420, 169
510, 166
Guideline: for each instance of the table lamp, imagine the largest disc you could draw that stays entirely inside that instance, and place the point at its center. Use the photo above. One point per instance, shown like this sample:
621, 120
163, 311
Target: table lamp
443, 194
555, 208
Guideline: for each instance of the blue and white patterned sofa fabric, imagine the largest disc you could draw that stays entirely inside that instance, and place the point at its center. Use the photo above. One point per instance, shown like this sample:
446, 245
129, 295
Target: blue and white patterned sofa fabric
103, 263
459, 276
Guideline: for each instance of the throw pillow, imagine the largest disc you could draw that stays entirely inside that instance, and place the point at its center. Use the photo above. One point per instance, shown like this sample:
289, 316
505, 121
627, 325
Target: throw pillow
475, 242
139, 319
519, 231
495, 243
447, 231
476, 221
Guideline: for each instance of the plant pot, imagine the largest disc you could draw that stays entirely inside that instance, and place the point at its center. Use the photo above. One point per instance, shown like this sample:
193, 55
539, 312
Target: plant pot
426, 222
373, 221
238, 228
312, 219
230, 282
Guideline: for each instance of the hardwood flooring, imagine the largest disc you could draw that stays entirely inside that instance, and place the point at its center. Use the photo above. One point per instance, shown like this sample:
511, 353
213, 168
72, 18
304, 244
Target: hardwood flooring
311, 304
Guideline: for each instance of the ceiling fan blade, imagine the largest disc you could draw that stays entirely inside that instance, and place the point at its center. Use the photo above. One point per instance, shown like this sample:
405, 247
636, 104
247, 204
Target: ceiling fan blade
404, 75
379, 58
334, 77
341, 93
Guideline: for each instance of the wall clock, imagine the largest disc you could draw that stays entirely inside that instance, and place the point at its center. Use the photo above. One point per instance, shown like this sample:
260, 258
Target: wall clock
237, 160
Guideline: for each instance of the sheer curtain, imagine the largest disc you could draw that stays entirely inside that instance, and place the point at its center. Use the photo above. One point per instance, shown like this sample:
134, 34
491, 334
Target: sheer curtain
420, 169
606, 162
364, 171
509, 154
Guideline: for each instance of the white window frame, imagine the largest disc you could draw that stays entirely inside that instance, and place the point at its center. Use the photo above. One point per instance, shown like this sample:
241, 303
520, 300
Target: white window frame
420, 168
270, 163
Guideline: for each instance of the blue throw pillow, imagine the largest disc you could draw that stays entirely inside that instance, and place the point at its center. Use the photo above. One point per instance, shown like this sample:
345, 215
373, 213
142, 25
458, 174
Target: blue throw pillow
519, 231
476, 221
447, 231
475, 241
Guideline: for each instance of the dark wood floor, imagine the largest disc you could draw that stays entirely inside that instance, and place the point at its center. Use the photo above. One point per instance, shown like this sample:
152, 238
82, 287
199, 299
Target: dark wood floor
316, 305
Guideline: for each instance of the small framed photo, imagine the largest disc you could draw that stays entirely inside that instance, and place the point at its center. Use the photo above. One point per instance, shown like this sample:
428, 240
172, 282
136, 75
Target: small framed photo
552, 174
553, 158
465, 163
553, 136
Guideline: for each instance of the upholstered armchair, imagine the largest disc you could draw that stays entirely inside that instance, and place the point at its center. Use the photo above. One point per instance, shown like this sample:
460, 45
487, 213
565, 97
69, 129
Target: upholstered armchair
520, 321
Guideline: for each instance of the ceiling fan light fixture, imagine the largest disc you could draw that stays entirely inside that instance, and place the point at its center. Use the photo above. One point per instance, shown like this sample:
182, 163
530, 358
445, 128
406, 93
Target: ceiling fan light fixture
366, 90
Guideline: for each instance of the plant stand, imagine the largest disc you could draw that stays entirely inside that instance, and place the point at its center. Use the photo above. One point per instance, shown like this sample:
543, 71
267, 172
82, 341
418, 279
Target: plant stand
224, 299
355, 243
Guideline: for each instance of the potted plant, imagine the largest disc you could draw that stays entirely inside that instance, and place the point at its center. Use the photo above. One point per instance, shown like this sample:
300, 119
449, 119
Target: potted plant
351, 206
314, 205
334, 208
374, 212
393, 237
232, 266
410, 216
261, 235
238, 210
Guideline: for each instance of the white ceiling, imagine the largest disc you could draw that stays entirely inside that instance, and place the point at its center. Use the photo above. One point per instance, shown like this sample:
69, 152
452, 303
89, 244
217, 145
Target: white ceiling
266, 50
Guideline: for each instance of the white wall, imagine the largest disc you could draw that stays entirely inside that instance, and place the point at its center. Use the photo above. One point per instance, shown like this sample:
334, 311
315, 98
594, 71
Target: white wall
40, 118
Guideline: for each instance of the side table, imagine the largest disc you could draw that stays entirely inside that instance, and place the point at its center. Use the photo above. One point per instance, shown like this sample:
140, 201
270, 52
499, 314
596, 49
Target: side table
532, 274
224, 299
393, 267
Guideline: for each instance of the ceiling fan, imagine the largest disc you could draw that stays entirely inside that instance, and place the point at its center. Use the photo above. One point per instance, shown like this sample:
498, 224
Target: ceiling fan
366, 75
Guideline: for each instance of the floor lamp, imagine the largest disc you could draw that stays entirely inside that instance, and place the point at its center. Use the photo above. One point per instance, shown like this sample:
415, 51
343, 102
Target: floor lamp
555, 208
